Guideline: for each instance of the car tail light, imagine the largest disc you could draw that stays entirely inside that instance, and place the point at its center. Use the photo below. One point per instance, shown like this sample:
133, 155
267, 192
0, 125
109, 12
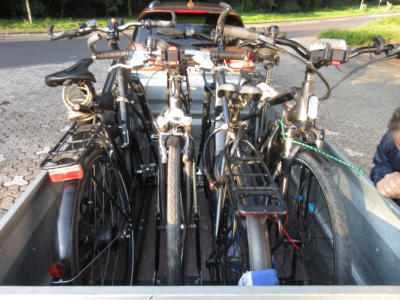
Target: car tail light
57, 270
66, 173
192, 12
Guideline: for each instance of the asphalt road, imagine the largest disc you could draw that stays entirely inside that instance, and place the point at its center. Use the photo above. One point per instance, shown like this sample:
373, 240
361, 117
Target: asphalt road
36, 49
301, 29
33, 118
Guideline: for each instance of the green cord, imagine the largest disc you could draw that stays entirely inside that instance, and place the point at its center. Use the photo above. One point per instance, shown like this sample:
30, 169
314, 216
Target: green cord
319, 151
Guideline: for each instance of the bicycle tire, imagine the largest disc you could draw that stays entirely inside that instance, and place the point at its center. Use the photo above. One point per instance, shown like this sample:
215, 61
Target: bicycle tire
174, 238
250, 245
99, 226
317, 224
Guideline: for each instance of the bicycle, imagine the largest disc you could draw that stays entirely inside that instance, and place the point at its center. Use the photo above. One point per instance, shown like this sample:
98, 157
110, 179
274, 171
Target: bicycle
174, 126
237, 183
313, 245
97, 160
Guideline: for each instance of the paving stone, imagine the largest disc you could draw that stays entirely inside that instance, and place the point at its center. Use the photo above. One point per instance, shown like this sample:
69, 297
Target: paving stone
7, 202
35, 117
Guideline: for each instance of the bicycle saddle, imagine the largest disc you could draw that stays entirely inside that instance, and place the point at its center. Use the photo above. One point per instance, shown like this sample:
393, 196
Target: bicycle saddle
77, 72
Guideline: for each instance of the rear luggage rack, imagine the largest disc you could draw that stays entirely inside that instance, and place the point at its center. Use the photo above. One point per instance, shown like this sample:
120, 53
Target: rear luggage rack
252, 187
73, 146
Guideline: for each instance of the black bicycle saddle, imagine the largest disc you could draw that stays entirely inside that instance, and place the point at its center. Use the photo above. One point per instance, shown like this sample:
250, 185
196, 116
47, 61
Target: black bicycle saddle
77, 72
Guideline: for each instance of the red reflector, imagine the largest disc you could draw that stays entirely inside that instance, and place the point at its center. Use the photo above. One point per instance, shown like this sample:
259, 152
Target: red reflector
173, 63
67, 173
196, 12
57, 270
336, 63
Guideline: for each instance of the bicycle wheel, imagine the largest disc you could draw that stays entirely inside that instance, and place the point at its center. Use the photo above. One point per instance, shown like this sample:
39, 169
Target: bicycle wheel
318, 250
249, 249
233, 241
174, 239
101, 239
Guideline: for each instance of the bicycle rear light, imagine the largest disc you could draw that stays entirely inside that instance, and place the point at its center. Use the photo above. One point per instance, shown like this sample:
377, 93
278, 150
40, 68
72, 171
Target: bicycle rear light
66, 173
57, 270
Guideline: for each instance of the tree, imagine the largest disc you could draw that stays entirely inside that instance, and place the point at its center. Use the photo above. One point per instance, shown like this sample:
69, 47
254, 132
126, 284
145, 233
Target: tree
28, 9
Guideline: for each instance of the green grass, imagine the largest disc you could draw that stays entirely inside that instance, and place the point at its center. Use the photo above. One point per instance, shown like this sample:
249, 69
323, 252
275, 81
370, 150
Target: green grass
318, 14
387, 28
20, 25
17, 25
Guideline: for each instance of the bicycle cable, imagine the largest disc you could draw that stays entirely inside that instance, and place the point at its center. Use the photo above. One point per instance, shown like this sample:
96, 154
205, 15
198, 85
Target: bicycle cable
363, 66
311, 66
319, 151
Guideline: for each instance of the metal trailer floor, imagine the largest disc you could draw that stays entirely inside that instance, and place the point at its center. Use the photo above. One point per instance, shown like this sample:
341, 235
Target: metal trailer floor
27, 236
190, 272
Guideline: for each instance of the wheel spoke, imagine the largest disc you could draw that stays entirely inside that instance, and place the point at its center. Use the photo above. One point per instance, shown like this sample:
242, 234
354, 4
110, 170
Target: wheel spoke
100, 225
310, 207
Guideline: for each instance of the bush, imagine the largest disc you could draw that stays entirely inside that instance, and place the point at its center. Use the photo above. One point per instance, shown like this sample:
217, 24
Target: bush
291, 6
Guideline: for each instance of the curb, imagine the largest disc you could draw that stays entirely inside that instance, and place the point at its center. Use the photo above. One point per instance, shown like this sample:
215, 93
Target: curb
21, 33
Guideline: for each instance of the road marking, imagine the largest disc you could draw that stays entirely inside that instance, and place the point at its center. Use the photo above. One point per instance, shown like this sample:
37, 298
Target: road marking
353, 153
18, 180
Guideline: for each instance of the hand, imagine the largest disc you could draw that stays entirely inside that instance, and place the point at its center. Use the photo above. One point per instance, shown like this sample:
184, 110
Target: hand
389, 186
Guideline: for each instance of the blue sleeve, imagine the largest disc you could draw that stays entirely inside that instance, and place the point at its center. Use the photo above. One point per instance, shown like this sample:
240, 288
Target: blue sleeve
381, 160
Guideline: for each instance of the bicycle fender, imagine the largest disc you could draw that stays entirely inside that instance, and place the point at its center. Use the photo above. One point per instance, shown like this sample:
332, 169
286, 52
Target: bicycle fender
63, 240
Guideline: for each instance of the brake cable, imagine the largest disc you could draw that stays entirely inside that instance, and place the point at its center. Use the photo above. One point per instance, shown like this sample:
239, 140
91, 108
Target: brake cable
390, 56
311, 66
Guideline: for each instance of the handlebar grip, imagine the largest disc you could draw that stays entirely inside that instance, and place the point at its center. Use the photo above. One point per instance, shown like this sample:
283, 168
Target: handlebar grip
62, 34
160, 23
241, 33
170, 32
227, 55
112, 54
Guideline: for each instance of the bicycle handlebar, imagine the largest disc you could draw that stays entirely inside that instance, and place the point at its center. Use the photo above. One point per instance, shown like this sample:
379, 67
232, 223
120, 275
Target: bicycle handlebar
86, 30
246, 34
240, 32
67, 33
115, 54
376, 49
